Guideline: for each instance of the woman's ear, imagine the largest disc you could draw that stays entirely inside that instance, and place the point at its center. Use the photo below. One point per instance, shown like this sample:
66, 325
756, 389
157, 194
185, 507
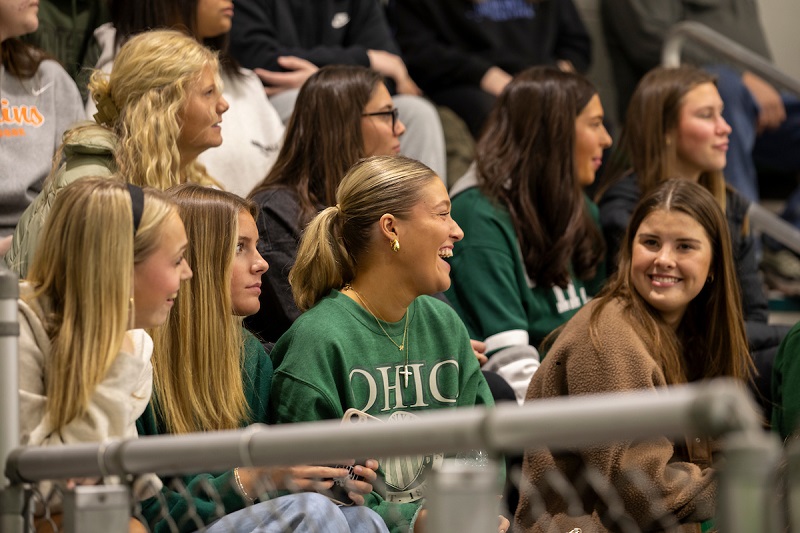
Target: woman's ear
388, 227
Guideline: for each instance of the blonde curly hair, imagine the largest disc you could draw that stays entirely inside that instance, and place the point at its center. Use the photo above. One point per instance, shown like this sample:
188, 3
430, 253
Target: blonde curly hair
148, 88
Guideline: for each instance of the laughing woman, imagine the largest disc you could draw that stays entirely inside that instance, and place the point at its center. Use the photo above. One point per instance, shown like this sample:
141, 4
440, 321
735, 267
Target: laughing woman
363, 272
670, 315
205, 337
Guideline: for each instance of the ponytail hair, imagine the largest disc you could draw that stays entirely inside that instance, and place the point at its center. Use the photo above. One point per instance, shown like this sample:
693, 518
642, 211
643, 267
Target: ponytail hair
339, 236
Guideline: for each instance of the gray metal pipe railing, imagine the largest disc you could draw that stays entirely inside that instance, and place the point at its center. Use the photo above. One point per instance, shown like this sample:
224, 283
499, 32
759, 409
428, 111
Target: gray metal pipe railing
682, 32
762, 219
749, 497
9, 335
713, 409
11, 496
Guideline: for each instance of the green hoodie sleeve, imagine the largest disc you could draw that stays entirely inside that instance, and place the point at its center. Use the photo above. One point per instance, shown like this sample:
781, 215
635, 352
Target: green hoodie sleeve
208, 497
785, 378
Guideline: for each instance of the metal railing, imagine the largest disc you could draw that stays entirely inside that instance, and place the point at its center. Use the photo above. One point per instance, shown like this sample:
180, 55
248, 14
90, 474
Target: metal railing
726, 48
764, 220
712, 409
715, 409
11, 496
460, 496
761, 219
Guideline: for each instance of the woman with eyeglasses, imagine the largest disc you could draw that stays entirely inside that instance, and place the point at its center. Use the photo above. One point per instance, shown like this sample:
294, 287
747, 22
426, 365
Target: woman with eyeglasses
343, 114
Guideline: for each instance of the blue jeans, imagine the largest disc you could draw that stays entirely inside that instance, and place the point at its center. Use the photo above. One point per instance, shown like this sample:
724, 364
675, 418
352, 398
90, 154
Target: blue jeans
777, 149
303, 512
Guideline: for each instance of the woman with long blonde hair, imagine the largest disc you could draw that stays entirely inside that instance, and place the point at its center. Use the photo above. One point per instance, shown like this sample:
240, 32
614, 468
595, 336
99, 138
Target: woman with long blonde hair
253, 131
109, 263
211, 374
158, 110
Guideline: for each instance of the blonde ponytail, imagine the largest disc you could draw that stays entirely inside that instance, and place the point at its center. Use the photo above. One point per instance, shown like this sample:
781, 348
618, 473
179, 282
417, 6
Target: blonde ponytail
323, 262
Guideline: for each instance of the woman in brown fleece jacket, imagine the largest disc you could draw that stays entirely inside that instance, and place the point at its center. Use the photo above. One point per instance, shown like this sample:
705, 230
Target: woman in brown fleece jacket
670, 315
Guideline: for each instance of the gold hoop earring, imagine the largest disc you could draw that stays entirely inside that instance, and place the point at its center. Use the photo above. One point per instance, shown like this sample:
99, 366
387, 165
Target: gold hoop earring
395, 245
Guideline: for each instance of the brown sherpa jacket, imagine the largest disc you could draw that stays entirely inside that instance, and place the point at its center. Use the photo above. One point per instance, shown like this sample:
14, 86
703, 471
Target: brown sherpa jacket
664, 483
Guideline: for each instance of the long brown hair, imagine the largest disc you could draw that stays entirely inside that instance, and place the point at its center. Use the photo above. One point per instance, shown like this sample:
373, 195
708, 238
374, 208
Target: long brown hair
21, 59
323, 136
710, 340
525, 160
653, 113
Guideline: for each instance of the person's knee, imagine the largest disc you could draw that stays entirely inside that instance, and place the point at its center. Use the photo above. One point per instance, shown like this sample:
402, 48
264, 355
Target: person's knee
415, 108
361, 518
283, 103
424, 137
304, 510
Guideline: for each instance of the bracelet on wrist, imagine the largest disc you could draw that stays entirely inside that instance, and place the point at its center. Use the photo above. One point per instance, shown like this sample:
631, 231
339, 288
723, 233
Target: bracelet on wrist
241, 486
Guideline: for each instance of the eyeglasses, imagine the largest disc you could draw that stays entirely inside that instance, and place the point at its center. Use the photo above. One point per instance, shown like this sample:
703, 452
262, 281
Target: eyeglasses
394, 113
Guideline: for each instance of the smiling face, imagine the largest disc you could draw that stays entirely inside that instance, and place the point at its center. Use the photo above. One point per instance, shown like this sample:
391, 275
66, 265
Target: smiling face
247, 268
18, 17
379, 136
156, 280
670, 262
213, 18
701, 137
591, 138
426, 237
201, 117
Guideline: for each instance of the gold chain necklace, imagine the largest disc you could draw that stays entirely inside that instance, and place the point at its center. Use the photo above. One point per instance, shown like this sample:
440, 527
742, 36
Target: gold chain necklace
405, 373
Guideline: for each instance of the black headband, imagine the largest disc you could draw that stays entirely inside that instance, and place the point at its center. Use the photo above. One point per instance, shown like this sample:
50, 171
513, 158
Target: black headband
137, 205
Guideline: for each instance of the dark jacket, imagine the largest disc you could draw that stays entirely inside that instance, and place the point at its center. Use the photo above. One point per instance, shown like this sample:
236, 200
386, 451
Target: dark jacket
454, 42
616, 207
325, 32
279, 232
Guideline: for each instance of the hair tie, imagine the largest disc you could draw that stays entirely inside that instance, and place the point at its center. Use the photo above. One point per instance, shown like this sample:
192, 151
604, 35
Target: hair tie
107, 111
137, 205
